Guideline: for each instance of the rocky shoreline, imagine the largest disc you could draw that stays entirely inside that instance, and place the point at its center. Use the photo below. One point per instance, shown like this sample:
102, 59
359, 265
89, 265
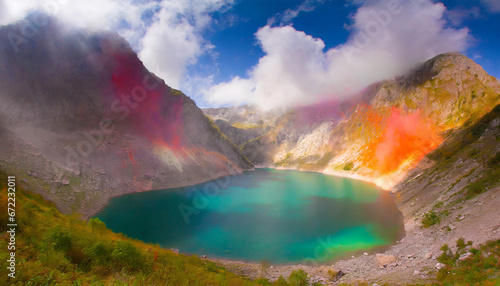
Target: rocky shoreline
411, 260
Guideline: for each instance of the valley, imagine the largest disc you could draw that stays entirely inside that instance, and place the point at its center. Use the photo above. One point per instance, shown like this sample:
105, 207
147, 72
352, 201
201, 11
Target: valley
298, 173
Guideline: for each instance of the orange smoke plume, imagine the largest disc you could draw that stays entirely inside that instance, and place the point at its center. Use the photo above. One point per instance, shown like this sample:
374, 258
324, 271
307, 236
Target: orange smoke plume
403, 138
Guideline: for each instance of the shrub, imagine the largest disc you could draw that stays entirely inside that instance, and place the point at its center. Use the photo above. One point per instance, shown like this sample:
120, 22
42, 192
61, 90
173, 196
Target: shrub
126, 254
58, 238
262, 281
335, 275
431, 218
280, 281
495, 161
298, 278
101, 252
97, 226
78, 257
480, 267
348, 166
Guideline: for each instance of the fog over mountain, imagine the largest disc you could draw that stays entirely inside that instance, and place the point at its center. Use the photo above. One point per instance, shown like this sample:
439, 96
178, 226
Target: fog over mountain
388, 38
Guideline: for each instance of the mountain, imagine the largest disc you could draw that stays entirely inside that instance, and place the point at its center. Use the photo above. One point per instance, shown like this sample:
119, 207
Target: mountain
383, 132
431, 138
83, 120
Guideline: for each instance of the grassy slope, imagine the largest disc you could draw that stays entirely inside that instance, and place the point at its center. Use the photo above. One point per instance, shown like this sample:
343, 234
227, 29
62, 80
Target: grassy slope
470, 265
57, 249
53, 248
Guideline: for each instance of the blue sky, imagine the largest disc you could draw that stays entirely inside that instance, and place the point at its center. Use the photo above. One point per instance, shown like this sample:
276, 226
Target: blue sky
238, 50
284, 52
237, 47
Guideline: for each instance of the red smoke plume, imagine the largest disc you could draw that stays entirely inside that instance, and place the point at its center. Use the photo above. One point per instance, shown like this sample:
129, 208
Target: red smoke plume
403, 137
153, 112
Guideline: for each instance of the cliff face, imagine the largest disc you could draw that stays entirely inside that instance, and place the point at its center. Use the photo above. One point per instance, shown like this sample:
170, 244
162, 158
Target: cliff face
82, 120
387, 129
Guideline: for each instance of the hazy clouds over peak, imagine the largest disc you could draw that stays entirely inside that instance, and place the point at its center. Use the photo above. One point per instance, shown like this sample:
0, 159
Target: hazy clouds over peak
388, 38
167, 34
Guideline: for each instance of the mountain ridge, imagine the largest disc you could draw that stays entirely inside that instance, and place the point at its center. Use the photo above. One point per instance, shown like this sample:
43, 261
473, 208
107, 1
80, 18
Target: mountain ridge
84, 120
448, 192
439, 96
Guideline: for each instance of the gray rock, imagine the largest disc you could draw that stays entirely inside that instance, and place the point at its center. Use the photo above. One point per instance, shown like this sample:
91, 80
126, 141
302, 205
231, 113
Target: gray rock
440, 266
465, 256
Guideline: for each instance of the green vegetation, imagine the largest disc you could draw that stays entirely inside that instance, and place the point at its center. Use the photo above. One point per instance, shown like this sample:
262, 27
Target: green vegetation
176, 92
431, 218
480, 185
465, 137
348, 166
298, 278
57, 249
438, 205
469, 265
245, 126
285, 160
434, 217
495, 161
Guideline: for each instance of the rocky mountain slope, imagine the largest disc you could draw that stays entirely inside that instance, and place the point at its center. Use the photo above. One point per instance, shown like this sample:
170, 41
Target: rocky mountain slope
386, 130
440, 130
82, 120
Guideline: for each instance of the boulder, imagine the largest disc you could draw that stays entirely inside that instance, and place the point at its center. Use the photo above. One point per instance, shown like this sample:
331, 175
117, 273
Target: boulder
385, 259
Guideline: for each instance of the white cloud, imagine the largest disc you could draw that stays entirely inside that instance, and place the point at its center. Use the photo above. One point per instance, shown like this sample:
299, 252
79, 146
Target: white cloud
493, 5
388, 39
167, 45
174, 41
288, 15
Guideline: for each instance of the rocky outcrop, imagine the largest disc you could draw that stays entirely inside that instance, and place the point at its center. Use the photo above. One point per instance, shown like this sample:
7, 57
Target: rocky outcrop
83, 120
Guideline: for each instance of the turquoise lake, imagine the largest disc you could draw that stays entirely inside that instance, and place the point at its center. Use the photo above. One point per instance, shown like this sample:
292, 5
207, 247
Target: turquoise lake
272, 215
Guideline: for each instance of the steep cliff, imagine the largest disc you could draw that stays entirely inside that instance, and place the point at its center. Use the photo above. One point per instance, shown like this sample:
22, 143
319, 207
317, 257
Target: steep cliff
82, 120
